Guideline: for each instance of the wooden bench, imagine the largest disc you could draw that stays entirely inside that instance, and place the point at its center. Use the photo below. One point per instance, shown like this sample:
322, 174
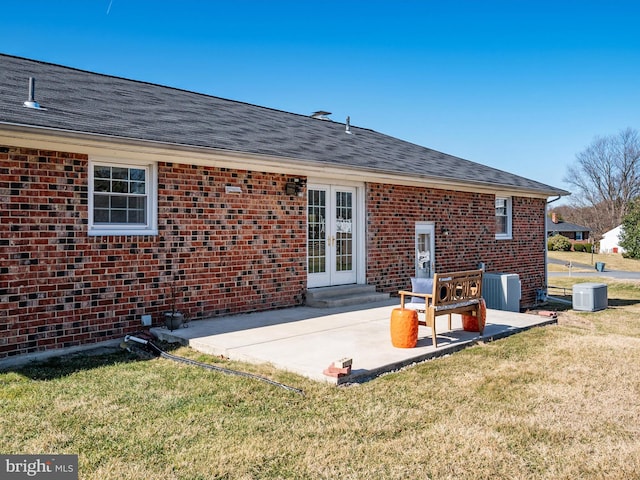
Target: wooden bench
456, 292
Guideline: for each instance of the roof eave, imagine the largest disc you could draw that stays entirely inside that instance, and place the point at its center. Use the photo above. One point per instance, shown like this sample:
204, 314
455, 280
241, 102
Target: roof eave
107, 145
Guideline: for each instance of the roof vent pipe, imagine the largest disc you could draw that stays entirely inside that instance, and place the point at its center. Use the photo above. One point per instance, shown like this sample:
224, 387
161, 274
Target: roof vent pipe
347, 127
31, 101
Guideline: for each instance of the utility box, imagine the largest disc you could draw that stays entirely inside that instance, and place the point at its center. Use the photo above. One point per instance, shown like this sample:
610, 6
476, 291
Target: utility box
501, 291
590, 297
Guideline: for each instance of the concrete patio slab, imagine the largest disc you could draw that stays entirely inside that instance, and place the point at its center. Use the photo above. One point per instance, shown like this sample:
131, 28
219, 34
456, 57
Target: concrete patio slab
307, 340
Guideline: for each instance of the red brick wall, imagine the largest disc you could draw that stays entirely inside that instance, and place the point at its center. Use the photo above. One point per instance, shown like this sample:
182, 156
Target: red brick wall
60, 287
229, 253
392, 212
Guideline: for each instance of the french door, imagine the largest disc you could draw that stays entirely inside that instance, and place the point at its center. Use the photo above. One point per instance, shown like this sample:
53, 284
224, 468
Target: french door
331, 235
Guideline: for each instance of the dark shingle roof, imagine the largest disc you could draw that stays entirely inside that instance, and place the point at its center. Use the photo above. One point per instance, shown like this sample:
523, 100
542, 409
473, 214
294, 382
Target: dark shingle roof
563, 226
86, 102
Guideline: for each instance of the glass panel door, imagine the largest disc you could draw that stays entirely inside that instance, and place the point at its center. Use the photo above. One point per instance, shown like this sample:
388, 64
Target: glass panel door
316, 231
342, 239
344, 231
330, 235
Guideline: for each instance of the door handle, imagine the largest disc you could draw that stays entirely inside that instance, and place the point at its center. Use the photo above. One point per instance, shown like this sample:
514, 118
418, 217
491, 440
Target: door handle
331, 241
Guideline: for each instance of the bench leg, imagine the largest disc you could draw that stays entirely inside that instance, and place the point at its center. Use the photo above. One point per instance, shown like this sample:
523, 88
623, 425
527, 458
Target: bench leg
449, 321
431, 321
480, 324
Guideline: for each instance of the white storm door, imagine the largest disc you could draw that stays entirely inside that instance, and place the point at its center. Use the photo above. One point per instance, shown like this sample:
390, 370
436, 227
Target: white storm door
425, 249
331, 235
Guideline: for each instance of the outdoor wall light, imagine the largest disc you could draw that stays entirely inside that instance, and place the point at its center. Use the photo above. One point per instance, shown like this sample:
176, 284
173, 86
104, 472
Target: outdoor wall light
294, 186
444, 231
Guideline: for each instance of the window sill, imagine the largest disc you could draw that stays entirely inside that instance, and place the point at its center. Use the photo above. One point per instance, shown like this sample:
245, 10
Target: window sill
123, 232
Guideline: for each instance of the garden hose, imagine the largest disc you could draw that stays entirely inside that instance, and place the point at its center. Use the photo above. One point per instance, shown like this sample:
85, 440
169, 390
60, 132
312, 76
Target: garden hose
158, 351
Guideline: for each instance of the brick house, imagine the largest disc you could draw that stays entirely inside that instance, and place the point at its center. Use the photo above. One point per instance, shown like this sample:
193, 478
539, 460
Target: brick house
111, 189
575, 233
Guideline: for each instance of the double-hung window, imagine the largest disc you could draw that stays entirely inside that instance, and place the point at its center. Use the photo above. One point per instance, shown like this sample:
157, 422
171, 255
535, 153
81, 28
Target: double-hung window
503, 218
122, 198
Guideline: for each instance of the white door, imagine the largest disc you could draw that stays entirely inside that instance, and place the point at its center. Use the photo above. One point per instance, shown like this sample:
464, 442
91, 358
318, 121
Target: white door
425, 249
331, 235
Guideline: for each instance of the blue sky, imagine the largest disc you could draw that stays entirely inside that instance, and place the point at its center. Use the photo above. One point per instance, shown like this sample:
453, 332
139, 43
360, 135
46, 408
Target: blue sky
518, 85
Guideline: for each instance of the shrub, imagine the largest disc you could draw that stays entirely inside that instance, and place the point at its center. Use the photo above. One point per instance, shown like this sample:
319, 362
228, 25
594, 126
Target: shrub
559, 243
582, 247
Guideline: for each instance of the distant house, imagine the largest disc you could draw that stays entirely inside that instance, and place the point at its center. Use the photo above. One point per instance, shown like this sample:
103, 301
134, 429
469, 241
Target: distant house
610, 242
575, 233
112, 189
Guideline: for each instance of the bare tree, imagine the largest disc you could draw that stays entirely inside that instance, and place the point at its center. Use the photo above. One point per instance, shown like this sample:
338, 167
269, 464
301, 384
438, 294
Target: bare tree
594, 218
607, 177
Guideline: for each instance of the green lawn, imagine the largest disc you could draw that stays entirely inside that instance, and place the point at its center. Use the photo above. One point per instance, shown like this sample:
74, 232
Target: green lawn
555, 402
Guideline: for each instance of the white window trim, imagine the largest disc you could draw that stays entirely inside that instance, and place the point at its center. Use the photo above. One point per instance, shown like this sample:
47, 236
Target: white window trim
151, 228
509, 234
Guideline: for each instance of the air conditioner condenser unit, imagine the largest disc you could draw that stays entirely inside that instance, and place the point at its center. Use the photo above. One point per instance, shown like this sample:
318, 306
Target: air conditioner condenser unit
590, 297
502, 291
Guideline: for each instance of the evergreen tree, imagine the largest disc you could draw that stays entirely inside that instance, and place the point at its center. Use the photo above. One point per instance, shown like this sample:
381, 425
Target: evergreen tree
630, 235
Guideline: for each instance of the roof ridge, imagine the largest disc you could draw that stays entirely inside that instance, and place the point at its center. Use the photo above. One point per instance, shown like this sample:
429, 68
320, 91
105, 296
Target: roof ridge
169, 87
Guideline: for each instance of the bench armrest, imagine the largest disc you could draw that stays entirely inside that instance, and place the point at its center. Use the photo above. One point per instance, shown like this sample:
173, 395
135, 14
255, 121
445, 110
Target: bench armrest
404, 293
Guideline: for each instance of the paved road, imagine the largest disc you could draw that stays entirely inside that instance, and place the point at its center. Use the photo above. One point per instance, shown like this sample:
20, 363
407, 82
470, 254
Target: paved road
616, 274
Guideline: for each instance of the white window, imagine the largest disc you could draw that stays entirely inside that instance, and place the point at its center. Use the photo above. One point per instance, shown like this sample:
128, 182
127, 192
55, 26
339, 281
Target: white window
503, 218
122, 198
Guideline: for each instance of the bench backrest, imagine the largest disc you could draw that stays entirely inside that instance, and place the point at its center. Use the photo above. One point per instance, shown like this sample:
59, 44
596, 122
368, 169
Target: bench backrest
455, 287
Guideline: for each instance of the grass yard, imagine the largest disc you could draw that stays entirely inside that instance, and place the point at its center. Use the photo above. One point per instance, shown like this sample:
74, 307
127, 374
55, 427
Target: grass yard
612, 261
556, 402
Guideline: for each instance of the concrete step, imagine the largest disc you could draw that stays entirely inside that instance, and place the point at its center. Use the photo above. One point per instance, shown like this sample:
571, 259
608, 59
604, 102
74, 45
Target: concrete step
343, 295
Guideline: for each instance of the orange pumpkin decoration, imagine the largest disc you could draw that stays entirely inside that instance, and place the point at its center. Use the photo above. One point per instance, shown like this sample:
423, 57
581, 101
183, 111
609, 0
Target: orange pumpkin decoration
404, 328
471, 323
